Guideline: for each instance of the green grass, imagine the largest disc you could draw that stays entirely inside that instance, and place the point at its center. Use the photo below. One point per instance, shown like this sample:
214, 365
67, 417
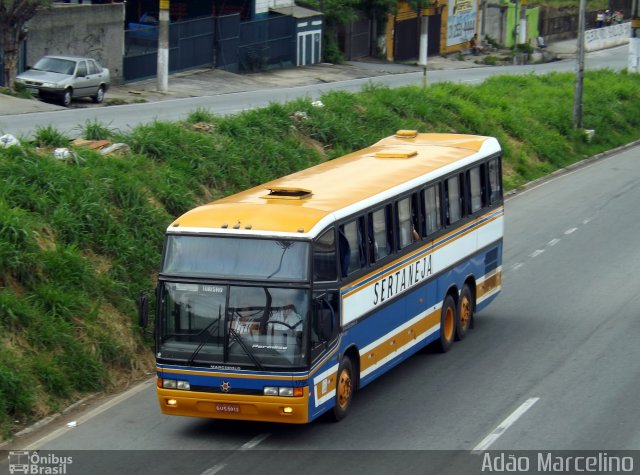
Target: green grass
80, 238
94, 130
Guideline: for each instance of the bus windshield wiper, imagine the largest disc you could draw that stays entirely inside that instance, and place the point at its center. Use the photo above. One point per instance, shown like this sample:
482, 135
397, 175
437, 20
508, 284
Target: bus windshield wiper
285, 245
207, 336
238, 339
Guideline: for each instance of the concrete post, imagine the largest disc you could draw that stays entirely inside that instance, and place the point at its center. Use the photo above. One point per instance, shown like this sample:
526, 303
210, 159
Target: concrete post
577, 97
634, 41
163, 47
522, 39
424, 45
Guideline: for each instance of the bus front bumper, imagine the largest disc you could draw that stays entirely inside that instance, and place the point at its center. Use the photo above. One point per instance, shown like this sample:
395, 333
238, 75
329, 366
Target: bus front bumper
291, 410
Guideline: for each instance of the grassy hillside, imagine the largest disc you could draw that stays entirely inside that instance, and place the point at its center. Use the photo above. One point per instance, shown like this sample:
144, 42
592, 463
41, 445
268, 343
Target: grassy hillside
81, 237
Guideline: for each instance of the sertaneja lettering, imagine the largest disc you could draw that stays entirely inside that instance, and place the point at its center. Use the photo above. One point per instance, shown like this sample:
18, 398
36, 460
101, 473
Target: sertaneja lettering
402, 280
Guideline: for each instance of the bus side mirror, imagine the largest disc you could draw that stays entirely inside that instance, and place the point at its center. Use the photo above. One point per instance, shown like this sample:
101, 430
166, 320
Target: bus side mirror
143, 310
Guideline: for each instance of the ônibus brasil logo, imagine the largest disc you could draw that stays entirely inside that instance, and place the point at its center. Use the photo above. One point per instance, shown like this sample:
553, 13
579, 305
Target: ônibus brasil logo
24, 461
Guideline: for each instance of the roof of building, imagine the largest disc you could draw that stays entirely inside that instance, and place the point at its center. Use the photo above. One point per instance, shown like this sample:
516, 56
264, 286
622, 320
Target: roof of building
296, 12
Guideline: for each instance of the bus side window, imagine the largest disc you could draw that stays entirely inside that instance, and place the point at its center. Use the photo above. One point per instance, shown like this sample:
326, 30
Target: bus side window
324, 257
382, 237
495, 191
432, 208
405, 224
454, 199
352, 253
417, 216
325, 324
475, 192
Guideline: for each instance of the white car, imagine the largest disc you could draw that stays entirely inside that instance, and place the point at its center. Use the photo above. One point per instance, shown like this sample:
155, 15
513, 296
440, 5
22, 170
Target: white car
63, 78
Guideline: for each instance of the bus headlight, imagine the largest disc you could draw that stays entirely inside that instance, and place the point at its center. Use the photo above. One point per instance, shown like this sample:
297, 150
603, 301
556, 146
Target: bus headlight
282, 391
285, 392
270, 391
175, 384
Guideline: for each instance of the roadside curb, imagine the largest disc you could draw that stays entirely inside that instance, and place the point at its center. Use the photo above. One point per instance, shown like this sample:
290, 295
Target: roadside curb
111, 399
569, 168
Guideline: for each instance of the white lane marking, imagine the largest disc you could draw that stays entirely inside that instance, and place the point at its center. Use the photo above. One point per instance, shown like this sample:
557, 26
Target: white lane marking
504, 425
537, 252
570, 231
587, 221
93, 413
255, 441
517, 266
553, 242
215, 469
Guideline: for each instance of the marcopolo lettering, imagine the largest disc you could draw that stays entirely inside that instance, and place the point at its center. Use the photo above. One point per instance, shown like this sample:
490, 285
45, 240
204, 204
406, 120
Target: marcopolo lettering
401, 280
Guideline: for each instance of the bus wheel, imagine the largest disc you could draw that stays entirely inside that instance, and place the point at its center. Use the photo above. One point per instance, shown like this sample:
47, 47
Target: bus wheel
345, 385
465, 313
447, 323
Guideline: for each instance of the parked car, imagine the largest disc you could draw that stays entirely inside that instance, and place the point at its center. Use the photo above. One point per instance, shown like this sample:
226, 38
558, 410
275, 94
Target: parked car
63, 78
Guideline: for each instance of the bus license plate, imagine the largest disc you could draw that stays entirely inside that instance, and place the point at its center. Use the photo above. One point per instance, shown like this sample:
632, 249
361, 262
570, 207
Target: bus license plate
233, 408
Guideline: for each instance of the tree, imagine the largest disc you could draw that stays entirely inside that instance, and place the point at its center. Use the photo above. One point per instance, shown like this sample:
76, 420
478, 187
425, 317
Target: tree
14, 14
378, 11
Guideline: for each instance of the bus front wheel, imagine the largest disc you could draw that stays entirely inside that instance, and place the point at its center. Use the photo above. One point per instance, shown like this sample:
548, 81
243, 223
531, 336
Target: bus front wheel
345, 385
465, 313
448, 320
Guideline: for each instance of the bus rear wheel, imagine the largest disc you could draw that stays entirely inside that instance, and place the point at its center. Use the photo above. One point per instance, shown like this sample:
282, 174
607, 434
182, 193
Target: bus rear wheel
345, 386
465, 313
448, 318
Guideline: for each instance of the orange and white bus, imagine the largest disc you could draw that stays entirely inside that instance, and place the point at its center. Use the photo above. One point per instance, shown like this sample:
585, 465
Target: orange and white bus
279, 302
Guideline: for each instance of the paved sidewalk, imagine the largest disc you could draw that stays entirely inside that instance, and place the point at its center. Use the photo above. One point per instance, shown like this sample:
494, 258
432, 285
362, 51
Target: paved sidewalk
207, 82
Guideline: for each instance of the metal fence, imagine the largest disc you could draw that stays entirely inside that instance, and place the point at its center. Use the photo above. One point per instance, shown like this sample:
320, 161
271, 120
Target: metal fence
254, 45
224, 42
191, 45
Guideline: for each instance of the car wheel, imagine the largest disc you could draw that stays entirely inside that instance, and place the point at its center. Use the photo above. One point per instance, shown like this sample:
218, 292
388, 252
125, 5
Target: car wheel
99, 97
66, 98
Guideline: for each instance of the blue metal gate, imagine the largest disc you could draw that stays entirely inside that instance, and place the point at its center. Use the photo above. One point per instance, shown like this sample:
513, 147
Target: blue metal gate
235, 46
190, 46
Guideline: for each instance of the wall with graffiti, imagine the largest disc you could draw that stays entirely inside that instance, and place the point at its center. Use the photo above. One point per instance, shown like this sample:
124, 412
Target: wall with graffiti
96, 31
462, 16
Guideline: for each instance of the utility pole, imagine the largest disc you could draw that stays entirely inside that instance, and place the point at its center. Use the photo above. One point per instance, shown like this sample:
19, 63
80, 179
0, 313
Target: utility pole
634, 40
577, 97
163, 47
516, 24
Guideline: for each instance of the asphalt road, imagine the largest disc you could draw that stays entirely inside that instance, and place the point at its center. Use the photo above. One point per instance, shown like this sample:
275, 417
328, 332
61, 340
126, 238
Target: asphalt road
552, 364
123, 117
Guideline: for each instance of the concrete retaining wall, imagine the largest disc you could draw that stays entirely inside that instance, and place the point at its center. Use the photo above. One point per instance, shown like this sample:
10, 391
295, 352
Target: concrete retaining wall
607, 37
96, 31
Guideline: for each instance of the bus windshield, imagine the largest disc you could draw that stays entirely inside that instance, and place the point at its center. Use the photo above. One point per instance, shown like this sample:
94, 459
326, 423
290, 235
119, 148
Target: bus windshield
237, 258
210, 324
